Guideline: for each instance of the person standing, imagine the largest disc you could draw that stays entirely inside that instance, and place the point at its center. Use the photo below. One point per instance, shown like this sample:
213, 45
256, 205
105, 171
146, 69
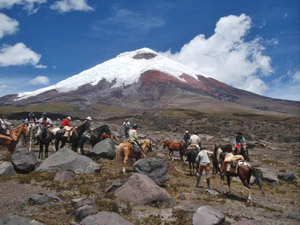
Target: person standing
203, 163
126, 126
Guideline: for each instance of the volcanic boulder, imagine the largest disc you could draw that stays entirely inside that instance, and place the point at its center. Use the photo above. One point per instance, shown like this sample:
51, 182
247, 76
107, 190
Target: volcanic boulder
207, 215
65, 159
156, 169
24, 161
7, 169
140, 190
104, 149
104, 217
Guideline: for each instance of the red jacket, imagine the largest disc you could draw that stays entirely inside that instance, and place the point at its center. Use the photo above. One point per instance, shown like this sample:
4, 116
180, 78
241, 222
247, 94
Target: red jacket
66, 122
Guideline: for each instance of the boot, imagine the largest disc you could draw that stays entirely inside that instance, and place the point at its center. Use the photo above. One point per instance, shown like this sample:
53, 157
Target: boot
198, 180
208, 183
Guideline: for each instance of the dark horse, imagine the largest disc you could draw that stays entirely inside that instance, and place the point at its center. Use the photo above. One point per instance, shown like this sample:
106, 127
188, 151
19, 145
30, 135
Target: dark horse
45, 137
191, 155
74, 138
244, 172
98, 134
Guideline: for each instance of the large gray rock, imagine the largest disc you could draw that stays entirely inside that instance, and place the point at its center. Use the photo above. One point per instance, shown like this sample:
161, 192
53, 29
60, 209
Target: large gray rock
84, 207
7, 169
42, 198
17, 220
287, 176
140, 189
104, 149
65, 159
105, 218
268, 175
156, 169
207, 215
24, 161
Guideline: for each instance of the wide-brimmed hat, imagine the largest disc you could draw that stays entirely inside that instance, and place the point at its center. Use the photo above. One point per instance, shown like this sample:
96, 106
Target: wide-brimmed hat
44, 114
240, 133
31, 114
186, 131
89, 118
69, 118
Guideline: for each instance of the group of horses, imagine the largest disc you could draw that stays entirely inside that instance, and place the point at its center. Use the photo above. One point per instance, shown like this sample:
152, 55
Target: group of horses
44, 136
125, 150
244, 170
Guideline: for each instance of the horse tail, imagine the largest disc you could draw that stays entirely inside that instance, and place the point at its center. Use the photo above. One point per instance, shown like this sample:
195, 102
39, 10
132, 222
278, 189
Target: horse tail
257, 175
119, 155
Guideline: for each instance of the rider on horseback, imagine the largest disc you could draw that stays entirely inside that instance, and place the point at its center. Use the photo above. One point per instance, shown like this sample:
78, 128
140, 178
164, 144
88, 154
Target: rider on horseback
203, 160
240, 143
4, 126
186, 139
195, 140
30, 118
133, 138
44, 120
66, 125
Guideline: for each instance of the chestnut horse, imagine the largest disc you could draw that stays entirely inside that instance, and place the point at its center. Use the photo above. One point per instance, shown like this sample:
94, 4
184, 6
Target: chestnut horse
125, 151
244, 172
174, 146
11, 142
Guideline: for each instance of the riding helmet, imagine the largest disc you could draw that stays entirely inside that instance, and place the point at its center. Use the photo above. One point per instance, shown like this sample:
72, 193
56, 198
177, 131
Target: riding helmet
44, 114
31, 114
135, 126
89, 118
195, 132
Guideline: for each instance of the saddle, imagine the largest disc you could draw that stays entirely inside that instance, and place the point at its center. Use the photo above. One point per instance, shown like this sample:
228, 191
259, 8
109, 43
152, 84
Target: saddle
232, 162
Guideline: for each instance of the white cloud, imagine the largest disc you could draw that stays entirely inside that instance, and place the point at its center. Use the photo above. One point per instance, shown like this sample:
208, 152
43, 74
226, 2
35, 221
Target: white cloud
71, 5
28, 4
227, 57
296, 78
7, 25
17, 55
40, 66
39, 80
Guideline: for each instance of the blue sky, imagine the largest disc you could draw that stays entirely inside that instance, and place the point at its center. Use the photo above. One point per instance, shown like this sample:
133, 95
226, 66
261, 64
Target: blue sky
252, 45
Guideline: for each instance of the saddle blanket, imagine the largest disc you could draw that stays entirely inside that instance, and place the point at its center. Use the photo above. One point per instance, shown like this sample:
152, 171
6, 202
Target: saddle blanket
136, 149
230, 157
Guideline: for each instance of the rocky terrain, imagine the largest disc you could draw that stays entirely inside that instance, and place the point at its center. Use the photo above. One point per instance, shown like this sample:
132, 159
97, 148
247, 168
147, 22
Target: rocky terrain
75, 194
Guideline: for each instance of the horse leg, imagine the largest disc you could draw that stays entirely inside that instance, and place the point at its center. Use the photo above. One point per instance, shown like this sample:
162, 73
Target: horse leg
124, 163
228, 182
41, 150
222, 179
46, 150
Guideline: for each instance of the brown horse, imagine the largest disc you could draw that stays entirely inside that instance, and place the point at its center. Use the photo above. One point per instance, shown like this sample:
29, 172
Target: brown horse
244, 172
174, 146
125, 151
11, 142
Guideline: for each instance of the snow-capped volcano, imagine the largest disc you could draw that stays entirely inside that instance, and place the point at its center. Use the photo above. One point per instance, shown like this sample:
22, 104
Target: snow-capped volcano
125, 69
145, 79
